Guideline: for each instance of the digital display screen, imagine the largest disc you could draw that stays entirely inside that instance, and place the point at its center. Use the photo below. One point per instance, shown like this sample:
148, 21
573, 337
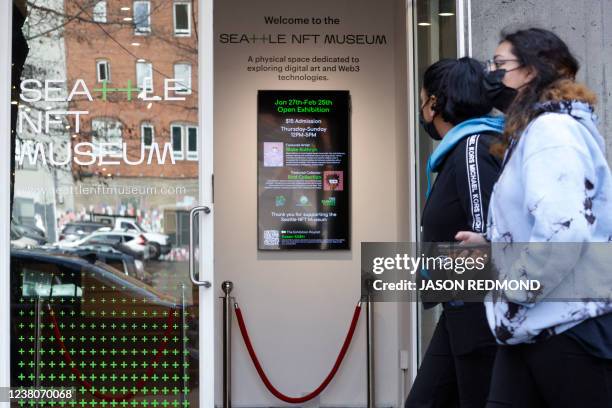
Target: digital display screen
303, 151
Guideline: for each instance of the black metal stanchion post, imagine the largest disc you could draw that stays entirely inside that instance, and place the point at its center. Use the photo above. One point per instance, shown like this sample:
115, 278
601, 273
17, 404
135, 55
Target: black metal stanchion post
227, 287
370, 345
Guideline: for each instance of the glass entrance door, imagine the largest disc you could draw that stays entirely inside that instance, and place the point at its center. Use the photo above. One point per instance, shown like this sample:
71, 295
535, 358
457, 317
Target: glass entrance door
435, 32
110, 155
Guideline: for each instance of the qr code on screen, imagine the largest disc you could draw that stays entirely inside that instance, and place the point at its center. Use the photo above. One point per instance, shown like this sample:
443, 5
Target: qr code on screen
271, 237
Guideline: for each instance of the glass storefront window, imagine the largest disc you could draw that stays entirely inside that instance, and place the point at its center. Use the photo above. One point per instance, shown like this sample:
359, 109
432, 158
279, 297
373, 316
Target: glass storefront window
101, 300
435, 33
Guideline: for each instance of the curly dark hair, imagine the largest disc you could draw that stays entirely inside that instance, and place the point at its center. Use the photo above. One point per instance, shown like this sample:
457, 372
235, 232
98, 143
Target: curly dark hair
458, 87
550, 58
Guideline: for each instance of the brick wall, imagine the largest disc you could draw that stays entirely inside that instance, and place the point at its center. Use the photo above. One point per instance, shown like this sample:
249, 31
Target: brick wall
88, 42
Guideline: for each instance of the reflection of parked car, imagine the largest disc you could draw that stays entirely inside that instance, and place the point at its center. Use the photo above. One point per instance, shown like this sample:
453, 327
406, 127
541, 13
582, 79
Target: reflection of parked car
134, 241
89, 313
159, 242
112, 256
20, 241
73, 231
29, 231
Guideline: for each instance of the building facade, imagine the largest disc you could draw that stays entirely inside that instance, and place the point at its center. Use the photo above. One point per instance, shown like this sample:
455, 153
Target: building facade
123, 49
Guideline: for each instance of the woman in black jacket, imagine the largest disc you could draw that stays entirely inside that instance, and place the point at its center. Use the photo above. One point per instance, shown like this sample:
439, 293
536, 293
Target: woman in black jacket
456, 369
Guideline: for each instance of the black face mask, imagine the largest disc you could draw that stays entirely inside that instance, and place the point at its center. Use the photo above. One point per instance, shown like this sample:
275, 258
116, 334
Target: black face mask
500, 95
429, 127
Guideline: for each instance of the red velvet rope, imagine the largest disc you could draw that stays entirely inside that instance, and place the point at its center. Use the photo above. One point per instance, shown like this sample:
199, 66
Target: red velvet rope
320, 388
87, 384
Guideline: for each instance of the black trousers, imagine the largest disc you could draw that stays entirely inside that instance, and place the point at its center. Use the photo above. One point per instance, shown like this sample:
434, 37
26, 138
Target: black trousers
556, 373
456, 369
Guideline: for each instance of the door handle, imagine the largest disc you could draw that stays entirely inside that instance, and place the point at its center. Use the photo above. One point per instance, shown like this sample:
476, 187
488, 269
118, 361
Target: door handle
192, 215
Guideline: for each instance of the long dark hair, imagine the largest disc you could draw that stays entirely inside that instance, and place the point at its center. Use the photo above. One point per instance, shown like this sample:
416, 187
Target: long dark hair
544, 52
458, 87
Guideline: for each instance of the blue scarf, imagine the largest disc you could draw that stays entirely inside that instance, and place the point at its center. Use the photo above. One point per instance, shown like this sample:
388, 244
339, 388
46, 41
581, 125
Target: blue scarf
456, 135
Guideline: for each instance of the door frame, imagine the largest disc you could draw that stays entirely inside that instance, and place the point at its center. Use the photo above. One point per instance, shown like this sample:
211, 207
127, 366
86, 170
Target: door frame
205, 150
412, 342
6, 36
464, 48
207, 299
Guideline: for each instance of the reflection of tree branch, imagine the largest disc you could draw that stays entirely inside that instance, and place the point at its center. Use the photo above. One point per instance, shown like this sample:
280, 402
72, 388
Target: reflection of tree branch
125, 48
190, 108
78, 16
32, 6
119, 22
172, 41
82, 11
29, 38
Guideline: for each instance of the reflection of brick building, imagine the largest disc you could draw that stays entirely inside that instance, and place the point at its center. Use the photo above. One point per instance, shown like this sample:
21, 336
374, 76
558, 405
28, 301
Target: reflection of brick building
137, 44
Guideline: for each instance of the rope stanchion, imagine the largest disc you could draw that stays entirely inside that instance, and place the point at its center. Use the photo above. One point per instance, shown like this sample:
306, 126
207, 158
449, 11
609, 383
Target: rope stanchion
264, 377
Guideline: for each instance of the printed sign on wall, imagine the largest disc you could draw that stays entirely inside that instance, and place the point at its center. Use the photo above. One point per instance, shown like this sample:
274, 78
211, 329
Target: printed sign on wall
303, 169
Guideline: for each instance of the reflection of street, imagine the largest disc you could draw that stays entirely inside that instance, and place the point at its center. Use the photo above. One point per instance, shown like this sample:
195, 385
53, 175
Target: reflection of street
169, 276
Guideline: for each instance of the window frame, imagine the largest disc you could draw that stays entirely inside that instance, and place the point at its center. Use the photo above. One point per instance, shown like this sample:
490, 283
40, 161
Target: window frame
146, 30
178, 154
96, 13
138, 85
191, 154
143, 125
106, 62
181, 32
185, 153
189, 78
130, 226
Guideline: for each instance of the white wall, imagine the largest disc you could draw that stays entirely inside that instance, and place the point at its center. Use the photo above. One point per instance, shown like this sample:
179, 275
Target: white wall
298, 304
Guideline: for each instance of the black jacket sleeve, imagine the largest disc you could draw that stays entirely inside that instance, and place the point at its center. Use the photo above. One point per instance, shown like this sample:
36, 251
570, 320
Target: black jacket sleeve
476, 171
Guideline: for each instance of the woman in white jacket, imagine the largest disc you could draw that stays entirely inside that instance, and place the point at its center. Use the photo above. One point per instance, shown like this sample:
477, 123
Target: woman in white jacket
550, 221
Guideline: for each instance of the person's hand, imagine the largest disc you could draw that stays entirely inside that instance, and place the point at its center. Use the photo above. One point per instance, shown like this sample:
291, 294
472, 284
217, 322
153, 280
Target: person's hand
477, 244
470, 238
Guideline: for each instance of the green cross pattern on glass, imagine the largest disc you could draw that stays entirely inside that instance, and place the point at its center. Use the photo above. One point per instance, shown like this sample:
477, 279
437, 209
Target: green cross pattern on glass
105, 90
112, 343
